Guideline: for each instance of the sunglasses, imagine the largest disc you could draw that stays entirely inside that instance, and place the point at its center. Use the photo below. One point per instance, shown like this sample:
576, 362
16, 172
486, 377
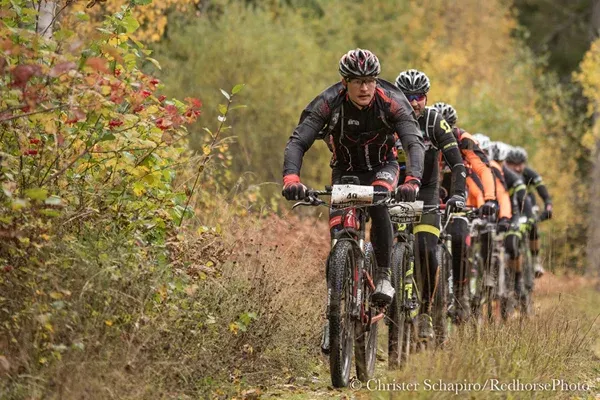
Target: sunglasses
417, 97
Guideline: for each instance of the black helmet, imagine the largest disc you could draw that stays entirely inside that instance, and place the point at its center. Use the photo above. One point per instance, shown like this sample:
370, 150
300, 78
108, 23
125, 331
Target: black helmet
413, 82
447, 111
517, 155
359, 62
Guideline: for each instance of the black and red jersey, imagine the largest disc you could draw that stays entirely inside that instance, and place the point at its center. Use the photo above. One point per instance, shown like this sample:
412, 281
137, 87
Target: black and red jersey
360, 139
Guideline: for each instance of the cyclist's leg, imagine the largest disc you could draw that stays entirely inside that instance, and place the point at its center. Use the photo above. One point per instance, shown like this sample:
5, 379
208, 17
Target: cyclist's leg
426, 235
384, 179
534, 245
459, 230
511, 244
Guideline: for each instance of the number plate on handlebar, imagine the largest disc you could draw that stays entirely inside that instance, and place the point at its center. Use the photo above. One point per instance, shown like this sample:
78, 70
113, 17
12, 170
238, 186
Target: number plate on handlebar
403, 213
346, 195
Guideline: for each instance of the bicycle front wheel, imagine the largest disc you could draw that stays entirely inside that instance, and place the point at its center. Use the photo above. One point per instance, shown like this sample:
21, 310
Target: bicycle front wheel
341, 330
365, 346
399, 336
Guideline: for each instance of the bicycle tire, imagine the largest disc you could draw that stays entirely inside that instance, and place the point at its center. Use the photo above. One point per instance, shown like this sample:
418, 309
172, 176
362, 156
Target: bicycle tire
341, 329
441, 297
399, 335
526, 302
365, 344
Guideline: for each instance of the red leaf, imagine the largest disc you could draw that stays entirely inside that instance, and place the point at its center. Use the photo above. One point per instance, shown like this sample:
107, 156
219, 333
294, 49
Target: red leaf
171, 110
193, 102
163, 124
23, 73
97, 63
145, 93
114, 123
31, 152
162, 98
34, 141
138, 108
61, 68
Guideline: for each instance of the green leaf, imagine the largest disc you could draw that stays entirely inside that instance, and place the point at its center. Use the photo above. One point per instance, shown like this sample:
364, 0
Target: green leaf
153, 61
237, 88
141, 2
50, 213
130, 23
222, 108
81, 16
238, 106
225, 94
36, 193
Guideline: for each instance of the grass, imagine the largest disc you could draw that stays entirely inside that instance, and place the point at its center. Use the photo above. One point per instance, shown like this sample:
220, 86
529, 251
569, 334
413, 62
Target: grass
556, 348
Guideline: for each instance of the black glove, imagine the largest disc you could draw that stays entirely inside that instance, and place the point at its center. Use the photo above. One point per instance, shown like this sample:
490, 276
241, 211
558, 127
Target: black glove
547, 213
293, 189
489, 208
503, 225
455, 203
409, 190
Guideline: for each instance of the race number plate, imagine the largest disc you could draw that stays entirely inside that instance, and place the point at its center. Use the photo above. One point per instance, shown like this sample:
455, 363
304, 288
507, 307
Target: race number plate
404, 213
351, 195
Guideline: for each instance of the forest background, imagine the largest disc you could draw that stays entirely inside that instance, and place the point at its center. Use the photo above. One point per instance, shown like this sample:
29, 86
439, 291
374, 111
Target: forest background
142, 146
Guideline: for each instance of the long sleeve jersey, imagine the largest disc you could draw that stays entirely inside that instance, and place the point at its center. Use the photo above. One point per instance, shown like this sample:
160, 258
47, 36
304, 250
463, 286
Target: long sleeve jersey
360, 139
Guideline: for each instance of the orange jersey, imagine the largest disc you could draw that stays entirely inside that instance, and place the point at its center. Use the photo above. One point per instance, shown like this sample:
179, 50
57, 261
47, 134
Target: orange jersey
501, 191
475, 159
474, 192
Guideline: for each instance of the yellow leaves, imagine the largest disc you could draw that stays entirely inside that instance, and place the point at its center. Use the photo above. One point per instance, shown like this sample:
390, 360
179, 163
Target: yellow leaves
108, 322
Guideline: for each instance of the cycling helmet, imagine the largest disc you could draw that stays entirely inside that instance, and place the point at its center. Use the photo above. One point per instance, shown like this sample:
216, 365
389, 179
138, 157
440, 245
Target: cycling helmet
447, 111
413, 82
483, 141
499, 150
517, 155
359, 62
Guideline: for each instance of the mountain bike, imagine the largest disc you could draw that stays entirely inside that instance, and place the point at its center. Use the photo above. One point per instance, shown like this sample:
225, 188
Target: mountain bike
352, 317
403, 329
484, 280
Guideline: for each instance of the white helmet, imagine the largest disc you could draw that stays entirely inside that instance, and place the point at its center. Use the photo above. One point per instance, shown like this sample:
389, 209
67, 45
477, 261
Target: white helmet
499, 150
483, 141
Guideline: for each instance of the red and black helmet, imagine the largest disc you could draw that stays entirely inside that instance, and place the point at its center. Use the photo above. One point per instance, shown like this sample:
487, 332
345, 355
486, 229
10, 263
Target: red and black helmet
359, 63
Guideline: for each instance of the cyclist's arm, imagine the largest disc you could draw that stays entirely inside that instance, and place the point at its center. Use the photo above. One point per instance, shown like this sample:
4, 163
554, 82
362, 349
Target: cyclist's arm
446, 142
504, 202
478, 164
534, 179
311, 122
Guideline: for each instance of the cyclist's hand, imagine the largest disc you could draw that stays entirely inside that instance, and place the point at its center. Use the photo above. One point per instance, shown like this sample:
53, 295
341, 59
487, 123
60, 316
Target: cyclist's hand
489, 208
547, 213
409, 190
455, 203
503, 225
293, 189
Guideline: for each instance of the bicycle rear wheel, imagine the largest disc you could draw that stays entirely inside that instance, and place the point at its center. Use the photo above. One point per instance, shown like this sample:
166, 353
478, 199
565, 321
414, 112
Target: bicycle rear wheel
341, 328
400, 332
365, 345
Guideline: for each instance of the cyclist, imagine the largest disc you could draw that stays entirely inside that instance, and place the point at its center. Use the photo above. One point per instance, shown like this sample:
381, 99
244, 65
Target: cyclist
438, 139
480, 178
508, 213
361, 118
517, 161
521, 206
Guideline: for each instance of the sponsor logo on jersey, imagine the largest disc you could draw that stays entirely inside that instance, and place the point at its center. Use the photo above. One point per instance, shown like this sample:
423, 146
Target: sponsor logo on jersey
384, 175
353, 122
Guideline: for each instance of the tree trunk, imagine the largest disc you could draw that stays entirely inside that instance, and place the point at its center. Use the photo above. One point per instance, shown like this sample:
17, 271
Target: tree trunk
46, 10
